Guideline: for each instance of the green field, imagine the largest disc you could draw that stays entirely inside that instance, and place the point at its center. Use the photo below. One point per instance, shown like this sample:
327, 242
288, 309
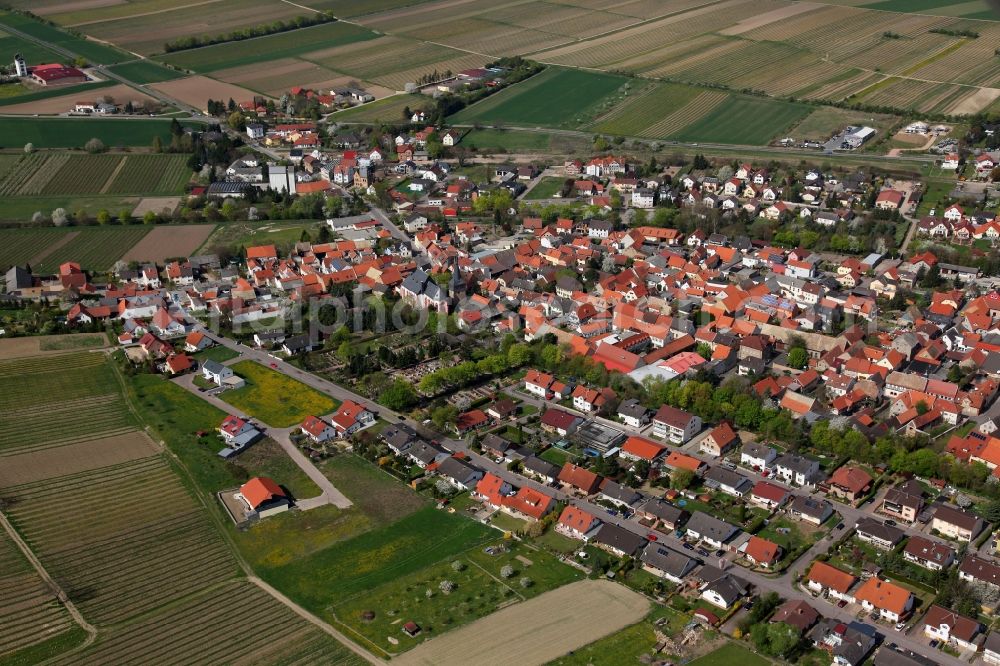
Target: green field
275, 398
33, 52
94, 52
627, 645
645, 108
731, 653
75, 132
479, 590
750, 121
94, 248
387, 109
56, 390
351, 8
555, 98
282, 234
145, 71
509, 140
15, 93
362, 563
261, 49
975, 10
546, 188
49, 174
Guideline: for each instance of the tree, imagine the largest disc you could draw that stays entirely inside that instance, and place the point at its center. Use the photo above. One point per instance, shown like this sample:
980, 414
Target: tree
798, 357
103, 217
149, 218
236, 121
59, 217
681, 479
399, 395
29, 147
95, 145
507, 571
157, 144
444, 416
125, 216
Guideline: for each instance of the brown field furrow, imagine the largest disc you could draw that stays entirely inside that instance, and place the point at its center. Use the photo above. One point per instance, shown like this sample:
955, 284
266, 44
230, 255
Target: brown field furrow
164, 242
75, 458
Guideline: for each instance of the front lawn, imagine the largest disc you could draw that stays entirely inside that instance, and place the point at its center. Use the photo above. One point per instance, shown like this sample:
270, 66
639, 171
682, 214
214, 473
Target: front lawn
728, 654
275, 398
217, 353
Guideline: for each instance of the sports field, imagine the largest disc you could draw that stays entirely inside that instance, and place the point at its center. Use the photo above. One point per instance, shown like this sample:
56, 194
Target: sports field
75, 132
557, 97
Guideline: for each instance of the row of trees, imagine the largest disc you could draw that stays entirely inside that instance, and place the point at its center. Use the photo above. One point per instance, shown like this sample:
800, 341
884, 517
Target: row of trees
249, 32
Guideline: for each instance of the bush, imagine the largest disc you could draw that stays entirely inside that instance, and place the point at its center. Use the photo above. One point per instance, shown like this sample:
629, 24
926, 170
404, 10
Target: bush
95, 145
457, 566
447, 586
507, 571
526, 582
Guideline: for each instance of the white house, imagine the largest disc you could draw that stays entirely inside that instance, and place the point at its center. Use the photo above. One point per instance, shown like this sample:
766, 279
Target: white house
675, 424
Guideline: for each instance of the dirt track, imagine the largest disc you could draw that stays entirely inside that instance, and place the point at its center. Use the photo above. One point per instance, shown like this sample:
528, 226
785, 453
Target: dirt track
536, 631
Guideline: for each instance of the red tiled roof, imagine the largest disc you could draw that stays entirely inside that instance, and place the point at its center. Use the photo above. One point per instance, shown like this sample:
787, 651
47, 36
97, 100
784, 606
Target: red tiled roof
260, 489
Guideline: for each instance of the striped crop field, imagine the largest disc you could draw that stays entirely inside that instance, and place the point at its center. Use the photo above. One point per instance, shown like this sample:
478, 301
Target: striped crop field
694, 110
645, 109
134, 539
31, 614
66, 398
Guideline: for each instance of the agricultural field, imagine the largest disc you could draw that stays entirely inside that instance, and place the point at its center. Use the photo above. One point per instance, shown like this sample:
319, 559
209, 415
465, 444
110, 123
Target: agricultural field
267, 49
197, 90
55, 173
165, 242
37, 619
557, 97
57, 389
75, 132
132, 27
145, 71
203, 628
539, 630
275, 398
643, 108
744, 121
94, 248
92, 51
490, 139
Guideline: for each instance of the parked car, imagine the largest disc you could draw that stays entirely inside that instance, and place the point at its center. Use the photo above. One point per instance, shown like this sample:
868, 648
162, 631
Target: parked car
652, 537
841, 603
688, 546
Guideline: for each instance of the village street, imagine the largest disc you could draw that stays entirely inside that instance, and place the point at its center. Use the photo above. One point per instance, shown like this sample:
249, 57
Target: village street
784, 584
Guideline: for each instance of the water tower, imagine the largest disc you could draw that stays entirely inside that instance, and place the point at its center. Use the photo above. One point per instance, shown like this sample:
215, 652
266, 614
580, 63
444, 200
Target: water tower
20, 67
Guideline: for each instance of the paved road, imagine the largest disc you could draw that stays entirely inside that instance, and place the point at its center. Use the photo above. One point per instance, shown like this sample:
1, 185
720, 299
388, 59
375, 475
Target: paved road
329, 493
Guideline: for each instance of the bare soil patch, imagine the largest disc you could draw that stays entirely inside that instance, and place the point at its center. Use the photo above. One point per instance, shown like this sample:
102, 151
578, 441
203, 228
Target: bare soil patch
78, 6
75, 458
536, 631
156, 205
165, 242
64, 103
976, 102
11, 348
197, 90
767, 18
